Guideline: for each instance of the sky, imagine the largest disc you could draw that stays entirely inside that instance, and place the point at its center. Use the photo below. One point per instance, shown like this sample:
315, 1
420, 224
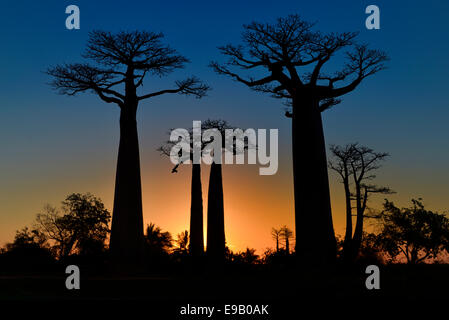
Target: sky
53, 145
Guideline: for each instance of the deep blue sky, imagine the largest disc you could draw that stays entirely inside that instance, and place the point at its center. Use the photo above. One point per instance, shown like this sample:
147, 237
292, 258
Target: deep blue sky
46, 140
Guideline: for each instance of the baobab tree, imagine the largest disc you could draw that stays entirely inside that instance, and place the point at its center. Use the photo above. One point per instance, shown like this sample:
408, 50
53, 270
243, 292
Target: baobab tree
196, 243
356, 163
122, 61
286, 234
292, 56
216, 239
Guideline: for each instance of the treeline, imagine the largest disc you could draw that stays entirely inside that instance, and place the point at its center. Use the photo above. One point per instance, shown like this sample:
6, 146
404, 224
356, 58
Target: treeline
78, 232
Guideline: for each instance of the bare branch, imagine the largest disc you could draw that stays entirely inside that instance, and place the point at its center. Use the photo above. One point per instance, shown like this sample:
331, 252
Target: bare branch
71, 79
190, 86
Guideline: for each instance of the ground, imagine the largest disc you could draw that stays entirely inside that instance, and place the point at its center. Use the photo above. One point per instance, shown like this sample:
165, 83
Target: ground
402, 287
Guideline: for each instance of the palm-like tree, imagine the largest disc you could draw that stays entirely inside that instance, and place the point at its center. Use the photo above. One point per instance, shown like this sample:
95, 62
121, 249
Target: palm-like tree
156, 240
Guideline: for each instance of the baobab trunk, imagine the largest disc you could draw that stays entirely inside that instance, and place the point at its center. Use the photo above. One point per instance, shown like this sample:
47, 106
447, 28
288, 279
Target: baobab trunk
126, 243
196, 213
215, 215
315, 238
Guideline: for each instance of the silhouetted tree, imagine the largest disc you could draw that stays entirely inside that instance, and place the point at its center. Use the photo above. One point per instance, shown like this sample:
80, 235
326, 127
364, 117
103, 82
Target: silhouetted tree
248, 256
341, 164
123, 60
216, 240
26, 238
286, 234
182, 242
357, 163
82, 228
282, 49
29, 251
415, 233
276, 234
370, 251
196, 243
156, 241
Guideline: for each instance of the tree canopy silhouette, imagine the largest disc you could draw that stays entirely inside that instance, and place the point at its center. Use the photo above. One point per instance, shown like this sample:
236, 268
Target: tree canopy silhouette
357, 163
157, 242
276, 234
123, 60
82, 229
292, 56
415, 233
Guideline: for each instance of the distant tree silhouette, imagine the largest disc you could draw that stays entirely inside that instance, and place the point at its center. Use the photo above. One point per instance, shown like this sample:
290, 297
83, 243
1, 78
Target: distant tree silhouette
276, 234
182, 242
341, 164
26, 238
29, 251
356, 163
216, 240
414, 233
246, 257
156, 241
282, 49
286, 234
196, 243
123, 60
83, 228
370, 251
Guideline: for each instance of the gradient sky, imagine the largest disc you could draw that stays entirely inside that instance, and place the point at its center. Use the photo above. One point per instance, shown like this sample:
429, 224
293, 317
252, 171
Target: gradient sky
52, 145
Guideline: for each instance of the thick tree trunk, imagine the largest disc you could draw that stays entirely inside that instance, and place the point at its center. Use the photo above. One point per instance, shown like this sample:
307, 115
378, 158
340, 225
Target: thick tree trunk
196, 213
215, 215
315, 238
127, 221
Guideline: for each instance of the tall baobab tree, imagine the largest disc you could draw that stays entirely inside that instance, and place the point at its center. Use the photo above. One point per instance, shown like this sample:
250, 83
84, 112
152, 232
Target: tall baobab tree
356, 163
122, 61
292, 56
196, 243
216, 240
286, 234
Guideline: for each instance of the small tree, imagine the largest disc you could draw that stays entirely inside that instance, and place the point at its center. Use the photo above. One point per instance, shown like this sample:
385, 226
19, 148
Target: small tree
182, 242
413, 233
27, 239
29, 251
156, 241
82, 228
276, 234
356, 164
